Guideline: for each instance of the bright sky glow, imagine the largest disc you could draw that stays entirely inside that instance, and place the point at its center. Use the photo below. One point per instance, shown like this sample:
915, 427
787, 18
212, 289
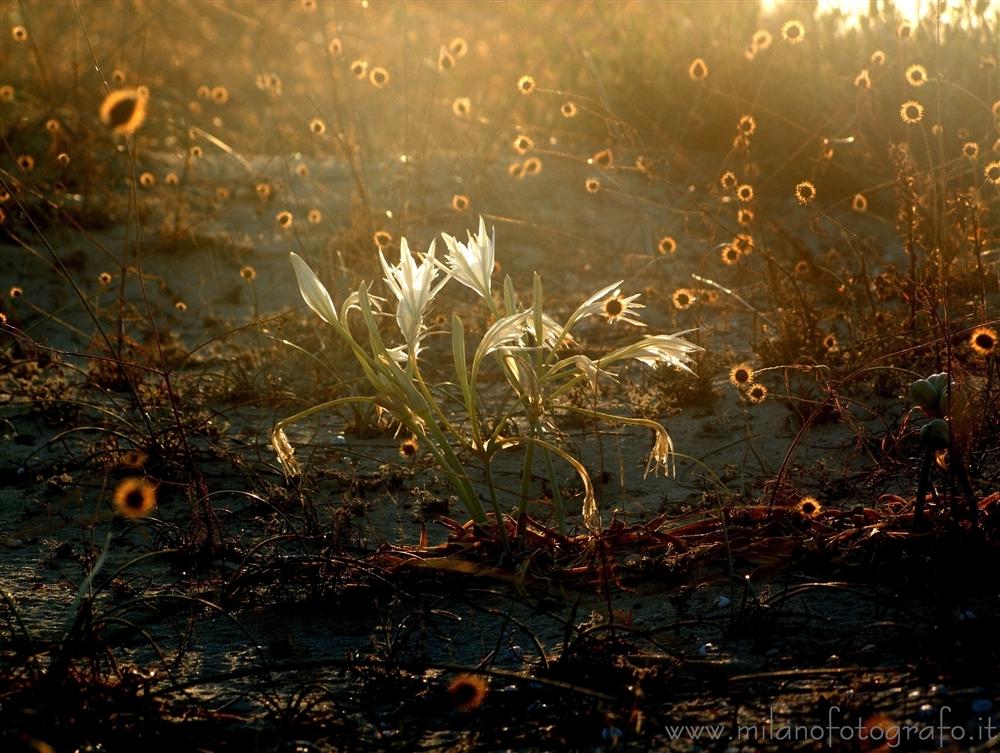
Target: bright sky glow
852, 10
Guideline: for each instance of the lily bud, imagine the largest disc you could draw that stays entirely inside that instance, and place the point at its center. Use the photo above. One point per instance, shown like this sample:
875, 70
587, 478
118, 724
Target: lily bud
934, 434
943, 403
923, 393
939, 381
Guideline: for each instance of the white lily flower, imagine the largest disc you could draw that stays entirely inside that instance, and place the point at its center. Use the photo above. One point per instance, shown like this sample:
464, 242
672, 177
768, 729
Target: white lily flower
414, 288
400, 354
472, 263
505, 332
314, 293
654, 350
551, 331
589, 368
353, 303
510, 331
316, 296
661, 457
285, 452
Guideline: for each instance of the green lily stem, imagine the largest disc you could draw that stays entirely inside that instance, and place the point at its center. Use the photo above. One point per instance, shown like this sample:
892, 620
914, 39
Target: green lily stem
556, 493
923, 483
497, 512
526, 464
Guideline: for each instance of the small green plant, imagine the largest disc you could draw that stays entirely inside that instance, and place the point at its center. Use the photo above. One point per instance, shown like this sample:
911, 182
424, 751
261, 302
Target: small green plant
934, 396
454, 419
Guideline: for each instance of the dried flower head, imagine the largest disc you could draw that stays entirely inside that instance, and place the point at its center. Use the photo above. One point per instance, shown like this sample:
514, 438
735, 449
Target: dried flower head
904, 30
730, 254
809, 507
359, 68
446, 61
666, 246
526, 85
983, 341
6, 93
805, 192
220, 95
522, 143
314, 217
793, 31
124, 111
682, 299
379, 77
248, 273
532, 166
459, 202
618, 308
335, 47
284, 218
468, 692
728, 180
744, 216
409, 447
593, 185
19, 34
133, 459
756, 394
761, 40
859, 203
604, 158
744, 243
26, 163
970, 149
992, 172
916, 75
317, 126
104, 278
741, 375
568, 109
458, 47
745, 193
911, 111
877, 58
134, 498
147, 179
462, 106
698, 70
382, 238
747, 125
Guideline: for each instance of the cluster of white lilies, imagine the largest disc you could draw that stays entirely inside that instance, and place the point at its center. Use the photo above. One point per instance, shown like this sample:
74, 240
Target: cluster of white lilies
451, 420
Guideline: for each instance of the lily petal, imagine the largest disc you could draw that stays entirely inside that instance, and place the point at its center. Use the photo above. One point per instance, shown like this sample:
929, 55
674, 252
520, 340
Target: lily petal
313, 291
